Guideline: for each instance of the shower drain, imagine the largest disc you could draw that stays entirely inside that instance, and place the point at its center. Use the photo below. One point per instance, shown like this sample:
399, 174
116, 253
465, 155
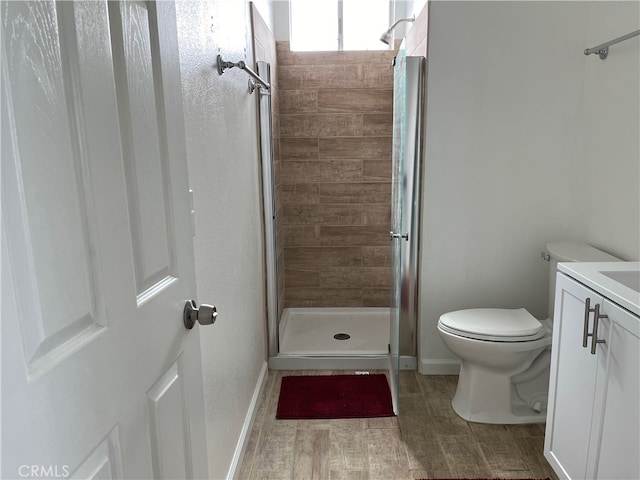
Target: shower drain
342, 336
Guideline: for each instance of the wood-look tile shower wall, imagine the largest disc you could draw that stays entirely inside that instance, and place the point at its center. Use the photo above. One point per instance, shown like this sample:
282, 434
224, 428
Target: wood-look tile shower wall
335, 113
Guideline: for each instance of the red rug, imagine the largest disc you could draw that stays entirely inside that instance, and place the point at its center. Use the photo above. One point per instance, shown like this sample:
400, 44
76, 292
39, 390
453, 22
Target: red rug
334, 396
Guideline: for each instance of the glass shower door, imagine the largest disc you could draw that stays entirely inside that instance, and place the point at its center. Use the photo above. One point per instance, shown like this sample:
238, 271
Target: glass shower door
408, 105
399, 113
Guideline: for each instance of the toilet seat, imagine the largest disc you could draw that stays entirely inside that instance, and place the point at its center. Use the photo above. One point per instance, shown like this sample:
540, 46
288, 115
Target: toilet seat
493, 324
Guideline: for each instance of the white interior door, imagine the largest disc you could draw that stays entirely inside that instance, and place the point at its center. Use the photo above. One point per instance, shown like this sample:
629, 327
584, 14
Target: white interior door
100, 379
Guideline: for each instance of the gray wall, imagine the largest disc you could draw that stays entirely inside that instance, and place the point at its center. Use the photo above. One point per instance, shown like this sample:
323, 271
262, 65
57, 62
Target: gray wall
522, 129
609, 150
222, 150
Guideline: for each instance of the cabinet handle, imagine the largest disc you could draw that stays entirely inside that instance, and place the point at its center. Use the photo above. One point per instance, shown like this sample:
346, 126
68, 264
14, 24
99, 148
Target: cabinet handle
587, 311
594, 336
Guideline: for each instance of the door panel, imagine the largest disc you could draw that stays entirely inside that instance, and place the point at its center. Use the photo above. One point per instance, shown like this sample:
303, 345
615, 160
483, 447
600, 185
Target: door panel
59, 286
144, 132
414, 103
408, 101
573, 384
105, 462
169, 445
99, 376
619, 439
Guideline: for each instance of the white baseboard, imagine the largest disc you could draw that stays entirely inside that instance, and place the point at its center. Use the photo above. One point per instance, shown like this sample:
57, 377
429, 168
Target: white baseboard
444, 366
249, 418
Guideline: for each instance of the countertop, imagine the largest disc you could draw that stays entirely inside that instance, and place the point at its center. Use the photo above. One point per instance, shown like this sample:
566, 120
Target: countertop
618, 281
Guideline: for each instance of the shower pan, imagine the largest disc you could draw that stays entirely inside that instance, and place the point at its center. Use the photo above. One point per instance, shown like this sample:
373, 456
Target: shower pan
359, 338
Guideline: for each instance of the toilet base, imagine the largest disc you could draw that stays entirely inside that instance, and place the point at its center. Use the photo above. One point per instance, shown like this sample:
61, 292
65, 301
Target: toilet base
484, 397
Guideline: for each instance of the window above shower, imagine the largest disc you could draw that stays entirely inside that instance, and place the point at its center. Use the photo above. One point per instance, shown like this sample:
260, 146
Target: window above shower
335, 25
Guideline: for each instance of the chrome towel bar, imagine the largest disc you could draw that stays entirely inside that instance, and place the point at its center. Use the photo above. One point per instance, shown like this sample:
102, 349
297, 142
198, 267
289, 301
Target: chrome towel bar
603, 49
223, 65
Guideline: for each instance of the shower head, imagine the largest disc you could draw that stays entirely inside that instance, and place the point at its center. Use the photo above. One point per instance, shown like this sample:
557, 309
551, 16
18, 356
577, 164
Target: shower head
386, 36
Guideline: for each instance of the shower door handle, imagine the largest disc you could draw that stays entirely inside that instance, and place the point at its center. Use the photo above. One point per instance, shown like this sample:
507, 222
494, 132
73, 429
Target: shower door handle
398, 235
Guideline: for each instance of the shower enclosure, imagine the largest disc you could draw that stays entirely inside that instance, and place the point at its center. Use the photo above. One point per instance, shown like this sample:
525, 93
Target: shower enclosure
383, 338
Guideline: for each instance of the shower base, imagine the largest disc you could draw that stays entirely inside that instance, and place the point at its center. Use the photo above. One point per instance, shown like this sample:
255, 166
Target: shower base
307, 339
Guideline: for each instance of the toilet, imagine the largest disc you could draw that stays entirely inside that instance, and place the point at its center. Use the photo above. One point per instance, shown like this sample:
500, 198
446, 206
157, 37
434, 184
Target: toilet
505, 353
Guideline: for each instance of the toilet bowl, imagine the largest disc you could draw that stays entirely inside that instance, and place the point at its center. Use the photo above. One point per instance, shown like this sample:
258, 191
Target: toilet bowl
489, 360
505, 353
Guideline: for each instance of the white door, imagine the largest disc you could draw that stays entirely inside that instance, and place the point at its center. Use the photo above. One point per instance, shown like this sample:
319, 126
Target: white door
100, 379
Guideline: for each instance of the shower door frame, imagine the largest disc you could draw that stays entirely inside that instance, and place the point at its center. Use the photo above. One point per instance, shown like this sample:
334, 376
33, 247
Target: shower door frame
415, 97
265, 126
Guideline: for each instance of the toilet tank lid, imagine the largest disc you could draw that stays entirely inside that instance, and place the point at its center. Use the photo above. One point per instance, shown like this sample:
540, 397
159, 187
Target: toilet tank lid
497, 322
578, 252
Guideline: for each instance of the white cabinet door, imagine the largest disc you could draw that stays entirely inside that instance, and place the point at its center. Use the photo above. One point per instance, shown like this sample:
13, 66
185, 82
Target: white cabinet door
100, 379
572, 387
619, 452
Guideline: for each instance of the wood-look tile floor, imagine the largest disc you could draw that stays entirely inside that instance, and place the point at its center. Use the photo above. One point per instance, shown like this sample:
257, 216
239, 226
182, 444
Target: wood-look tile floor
427, 440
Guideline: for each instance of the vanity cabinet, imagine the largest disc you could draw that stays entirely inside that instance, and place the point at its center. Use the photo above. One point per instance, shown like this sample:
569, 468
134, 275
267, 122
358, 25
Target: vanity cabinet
593, 416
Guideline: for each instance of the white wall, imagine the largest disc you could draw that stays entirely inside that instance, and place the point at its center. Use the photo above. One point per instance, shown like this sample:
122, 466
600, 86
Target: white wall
512, 140
224, 173
610, 147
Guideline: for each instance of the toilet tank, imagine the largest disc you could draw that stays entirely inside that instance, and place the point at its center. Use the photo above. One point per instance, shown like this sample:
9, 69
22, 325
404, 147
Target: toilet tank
571, 252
